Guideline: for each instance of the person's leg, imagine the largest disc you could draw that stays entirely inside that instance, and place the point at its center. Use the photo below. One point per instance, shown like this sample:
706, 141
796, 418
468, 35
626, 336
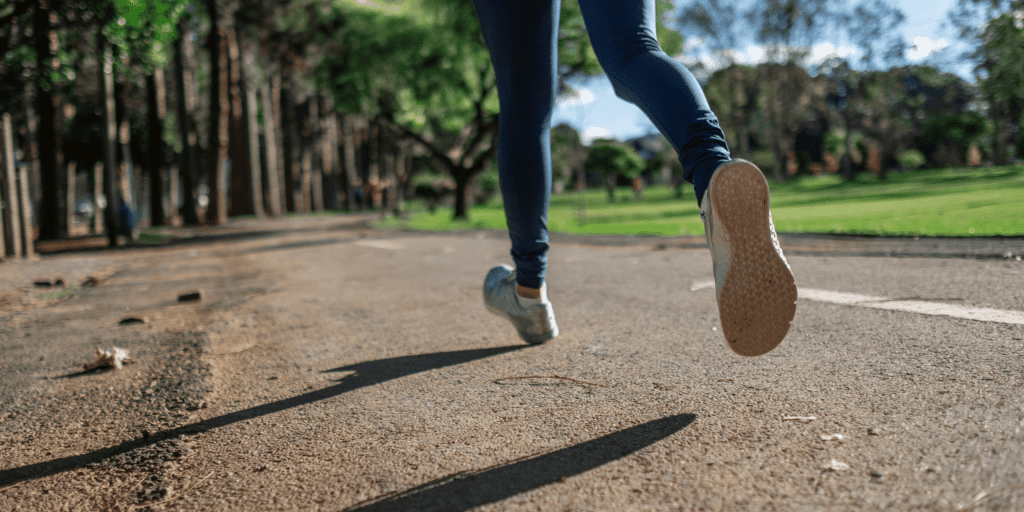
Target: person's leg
623, 33
522, 39
756, 292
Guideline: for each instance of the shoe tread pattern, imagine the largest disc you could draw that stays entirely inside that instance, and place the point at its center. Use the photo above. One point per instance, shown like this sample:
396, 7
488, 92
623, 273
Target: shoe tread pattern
757, 302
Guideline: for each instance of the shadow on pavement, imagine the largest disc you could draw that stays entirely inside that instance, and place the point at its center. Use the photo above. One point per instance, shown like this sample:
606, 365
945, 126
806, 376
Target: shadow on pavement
471, 489
367, 373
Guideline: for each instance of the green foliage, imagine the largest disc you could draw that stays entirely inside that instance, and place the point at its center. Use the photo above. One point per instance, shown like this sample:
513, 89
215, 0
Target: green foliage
145, 29
788, 29
423, 72
567, 152
670, 40
911, 159
834, 142
1003, 65
961, 129
613, 159
575, 54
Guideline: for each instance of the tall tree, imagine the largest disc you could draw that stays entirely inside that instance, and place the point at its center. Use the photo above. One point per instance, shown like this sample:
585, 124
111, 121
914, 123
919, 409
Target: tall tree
424, 70
612, 160
156, 99
999, 53
220, 115
50, 108
185, 81
568, 155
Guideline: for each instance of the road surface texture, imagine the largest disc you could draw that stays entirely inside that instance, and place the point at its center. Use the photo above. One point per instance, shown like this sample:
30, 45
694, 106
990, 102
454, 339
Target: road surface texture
328, 366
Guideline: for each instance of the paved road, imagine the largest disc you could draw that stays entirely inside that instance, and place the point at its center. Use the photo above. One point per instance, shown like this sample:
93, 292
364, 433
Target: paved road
329, 367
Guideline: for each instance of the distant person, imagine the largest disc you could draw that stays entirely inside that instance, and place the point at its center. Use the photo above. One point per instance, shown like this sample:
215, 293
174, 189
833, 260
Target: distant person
755, 287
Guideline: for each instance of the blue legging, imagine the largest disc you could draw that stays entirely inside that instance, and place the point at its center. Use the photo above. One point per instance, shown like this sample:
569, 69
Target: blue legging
521, 36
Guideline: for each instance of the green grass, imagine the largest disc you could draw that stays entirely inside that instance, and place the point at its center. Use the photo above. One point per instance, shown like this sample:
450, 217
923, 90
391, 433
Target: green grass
947, 202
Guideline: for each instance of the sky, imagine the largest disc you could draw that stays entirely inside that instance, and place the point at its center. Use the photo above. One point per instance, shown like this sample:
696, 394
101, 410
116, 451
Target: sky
597, 113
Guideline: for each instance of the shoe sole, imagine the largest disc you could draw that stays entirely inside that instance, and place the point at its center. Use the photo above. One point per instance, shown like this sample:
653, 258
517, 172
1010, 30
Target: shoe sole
757, 301
522, 325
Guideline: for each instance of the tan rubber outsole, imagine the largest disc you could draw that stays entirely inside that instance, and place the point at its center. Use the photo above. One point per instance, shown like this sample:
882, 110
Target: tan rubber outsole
757, 301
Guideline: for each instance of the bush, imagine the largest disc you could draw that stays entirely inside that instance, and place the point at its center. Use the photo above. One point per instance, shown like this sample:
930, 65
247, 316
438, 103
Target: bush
911, 159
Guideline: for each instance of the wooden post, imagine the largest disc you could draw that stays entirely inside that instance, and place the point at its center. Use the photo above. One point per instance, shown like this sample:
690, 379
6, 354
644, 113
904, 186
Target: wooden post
11, 187
26, 215
97, 193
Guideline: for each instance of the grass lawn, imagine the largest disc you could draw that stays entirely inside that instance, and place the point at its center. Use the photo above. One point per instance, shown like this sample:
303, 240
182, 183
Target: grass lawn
946, 202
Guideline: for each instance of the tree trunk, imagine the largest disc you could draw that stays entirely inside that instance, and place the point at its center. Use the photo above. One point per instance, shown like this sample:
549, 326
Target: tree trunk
350, 170
283, 164
48, 101
374, 166
402, 167
186, 85
999, 153
248, 84
273, 173
126, 178
241, 201
157, 99
463, 180
31, 149
69, 196
173, 196
112, 201
612, 181
332, 183
292, 147
316, 172
220, 115
255, 169
97, 193
846, 164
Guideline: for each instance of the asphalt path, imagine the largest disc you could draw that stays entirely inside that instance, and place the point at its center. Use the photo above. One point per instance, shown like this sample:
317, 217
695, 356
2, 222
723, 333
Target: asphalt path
333, 367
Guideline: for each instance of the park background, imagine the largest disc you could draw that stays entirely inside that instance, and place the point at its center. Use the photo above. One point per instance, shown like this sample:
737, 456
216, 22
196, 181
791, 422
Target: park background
123, 115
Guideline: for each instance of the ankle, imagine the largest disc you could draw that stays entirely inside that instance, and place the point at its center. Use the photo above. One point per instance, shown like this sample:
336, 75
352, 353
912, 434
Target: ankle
528, 293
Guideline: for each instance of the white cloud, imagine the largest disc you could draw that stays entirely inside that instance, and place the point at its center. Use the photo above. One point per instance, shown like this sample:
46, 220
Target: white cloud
594, 132
824, 51
925, 46
577, 97
755, 54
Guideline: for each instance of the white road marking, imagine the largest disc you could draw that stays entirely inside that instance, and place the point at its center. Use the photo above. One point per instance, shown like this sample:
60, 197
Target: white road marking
700, 285
380, 244
914, 306
1003, 316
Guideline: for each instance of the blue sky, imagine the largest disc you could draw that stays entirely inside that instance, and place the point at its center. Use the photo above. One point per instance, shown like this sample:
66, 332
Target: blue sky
599, 113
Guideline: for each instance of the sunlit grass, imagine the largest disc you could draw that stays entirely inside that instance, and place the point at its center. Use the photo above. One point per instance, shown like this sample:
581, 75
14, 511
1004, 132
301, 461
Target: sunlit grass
948, 202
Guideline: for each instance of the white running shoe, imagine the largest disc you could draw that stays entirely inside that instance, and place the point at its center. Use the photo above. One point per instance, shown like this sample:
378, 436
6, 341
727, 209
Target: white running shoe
754, 284
536, 323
